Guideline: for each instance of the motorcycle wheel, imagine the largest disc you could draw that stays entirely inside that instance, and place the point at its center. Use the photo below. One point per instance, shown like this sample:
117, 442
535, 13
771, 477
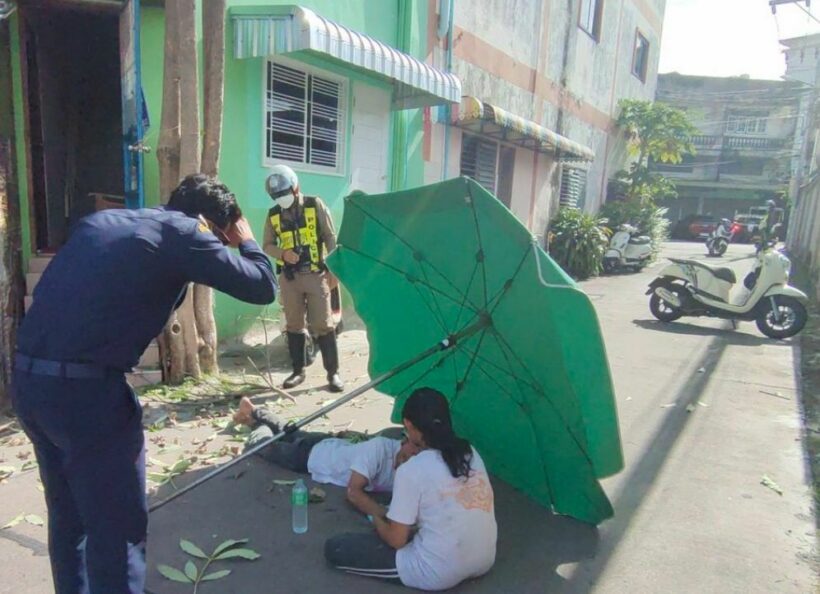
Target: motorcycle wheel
610, 264
720, 247
666, 312
792, 318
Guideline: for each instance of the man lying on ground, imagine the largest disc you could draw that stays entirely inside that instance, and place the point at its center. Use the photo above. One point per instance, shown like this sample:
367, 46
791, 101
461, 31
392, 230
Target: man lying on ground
369, 464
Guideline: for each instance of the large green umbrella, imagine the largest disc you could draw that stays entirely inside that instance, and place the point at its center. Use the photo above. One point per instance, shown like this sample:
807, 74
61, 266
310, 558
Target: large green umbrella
522, 359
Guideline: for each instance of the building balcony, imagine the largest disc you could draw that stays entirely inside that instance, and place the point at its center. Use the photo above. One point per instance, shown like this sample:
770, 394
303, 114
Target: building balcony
710, 142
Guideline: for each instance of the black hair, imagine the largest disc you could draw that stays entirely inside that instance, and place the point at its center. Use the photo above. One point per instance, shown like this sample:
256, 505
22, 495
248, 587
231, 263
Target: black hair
429, 412
199, 194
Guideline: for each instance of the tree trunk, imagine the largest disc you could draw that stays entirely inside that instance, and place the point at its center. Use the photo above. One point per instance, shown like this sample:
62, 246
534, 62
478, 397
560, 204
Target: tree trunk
213, 32
171, 343
11, 273
213, 28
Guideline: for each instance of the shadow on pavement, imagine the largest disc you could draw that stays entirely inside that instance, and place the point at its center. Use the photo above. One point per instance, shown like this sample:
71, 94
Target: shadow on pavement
245, 503
733, 337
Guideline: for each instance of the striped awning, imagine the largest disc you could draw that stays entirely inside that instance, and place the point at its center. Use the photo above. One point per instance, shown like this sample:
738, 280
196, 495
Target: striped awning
270, 31
490, 120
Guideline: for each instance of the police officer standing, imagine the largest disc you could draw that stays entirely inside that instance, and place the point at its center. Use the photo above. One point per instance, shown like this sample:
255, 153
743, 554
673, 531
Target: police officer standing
298, 234
107, 293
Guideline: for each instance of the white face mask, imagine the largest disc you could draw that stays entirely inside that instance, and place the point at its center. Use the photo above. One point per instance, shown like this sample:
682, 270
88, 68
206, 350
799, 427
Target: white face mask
286, 201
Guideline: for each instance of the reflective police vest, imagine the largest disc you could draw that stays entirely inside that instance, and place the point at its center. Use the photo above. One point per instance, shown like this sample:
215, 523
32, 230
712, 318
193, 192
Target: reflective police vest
301, 232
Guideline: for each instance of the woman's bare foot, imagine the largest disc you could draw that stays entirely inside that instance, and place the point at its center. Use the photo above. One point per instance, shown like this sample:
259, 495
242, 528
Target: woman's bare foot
244, 416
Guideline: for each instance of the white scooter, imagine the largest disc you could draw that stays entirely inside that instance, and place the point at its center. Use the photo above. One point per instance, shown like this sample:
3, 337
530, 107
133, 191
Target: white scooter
693, 288
627, 249
718, 241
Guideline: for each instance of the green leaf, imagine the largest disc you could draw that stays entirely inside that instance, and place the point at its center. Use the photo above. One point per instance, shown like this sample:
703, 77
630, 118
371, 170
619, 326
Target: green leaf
192, 549
228, 544
216, 575
14, 522
175, 575
34, 520
248, 554
156, 477
191, 571
29, 465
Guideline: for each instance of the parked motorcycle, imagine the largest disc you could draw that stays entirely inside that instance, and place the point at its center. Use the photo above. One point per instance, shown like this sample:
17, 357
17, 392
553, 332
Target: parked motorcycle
627, 249
693, 288
718, 241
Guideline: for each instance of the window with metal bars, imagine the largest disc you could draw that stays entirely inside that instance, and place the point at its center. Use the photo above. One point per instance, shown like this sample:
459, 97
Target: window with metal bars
479, 159
304, 117
573, 186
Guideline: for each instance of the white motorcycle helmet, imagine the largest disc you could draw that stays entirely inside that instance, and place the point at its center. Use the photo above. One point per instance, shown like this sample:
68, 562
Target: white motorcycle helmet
282, 185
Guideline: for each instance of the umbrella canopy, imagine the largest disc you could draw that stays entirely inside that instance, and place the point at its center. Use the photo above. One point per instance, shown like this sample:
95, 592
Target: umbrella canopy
525, 368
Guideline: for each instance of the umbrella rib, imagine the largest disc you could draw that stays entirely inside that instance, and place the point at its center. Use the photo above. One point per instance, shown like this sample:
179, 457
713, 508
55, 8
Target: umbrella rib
471, 363
466, 293
480, 243
500, 387
535, 433
435, 301
497, 297
439, 320
447, 354
503, 343
489, 363
408, 245
395, 269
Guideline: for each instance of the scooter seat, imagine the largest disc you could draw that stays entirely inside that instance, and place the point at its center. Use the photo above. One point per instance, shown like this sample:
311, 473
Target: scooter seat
642, 240
723, 273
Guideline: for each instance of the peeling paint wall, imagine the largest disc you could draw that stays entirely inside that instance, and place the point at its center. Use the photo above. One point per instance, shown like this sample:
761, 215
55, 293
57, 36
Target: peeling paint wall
531, 58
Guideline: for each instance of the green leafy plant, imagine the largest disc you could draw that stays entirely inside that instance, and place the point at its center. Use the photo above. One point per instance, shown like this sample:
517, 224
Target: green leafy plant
656, 132
647, 218
194, 574
170, 471
578, 242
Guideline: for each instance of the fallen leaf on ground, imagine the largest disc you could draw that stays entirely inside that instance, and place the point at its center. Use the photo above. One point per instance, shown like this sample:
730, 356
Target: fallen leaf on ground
768, 482
316, 495
283, 483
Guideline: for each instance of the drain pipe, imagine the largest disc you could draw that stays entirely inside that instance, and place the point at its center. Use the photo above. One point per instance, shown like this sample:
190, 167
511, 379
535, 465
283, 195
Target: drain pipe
445, 27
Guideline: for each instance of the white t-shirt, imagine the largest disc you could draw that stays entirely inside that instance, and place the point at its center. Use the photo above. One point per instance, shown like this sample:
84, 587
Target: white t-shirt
331, 461
455, 517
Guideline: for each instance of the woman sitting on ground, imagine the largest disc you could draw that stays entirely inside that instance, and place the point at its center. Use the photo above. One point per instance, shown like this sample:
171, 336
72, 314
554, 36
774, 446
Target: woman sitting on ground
445, 493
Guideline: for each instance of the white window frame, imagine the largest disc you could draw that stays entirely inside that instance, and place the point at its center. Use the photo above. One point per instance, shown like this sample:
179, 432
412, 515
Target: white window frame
643, 73
596, 8
740, 124
344, 117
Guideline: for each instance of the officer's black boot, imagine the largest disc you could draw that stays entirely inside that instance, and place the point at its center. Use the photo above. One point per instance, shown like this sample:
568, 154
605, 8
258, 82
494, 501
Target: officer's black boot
330, 358
296, 346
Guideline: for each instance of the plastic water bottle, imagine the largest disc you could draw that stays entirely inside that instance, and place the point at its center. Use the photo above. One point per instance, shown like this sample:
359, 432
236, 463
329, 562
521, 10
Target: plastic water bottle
299, 503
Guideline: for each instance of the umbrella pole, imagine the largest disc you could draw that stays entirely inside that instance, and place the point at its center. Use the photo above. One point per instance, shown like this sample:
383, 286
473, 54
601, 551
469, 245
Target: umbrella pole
445, 344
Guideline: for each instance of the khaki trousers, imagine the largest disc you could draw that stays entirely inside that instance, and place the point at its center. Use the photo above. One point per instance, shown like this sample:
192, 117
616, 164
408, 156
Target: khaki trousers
306, 298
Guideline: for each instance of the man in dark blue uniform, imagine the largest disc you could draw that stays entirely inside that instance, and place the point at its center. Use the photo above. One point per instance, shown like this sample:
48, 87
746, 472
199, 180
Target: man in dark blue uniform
107, 293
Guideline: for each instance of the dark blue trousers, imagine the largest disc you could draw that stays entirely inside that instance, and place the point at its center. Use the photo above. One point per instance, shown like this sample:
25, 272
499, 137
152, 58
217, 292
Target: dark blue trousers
87, 436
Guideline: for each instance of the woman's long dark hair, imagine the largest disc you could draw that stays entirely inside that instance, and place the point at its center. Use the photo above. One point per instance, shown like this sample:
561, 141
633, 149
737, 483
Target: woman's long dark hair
429, 412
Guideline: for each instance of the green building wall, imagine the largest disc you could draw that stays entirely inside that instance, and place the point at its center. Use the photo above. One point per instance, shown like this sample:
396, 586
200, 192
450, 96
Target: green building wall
399, 23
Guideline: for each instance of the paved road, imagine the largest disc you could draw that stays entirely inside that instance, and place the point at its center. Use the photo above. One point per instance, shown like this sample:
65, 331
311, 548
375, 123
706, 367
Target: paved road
706, 412
691, 512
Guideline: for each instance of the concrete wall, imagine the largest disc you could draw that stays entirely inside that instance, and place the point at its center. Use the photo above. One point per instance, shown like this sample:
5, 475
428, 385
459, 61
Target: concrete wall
531, 58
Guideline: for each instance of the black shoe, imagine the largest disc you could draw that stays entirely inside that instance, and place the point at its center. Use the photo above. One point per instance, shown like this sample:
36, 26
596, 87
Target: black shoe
294, 379
296, 347
335, 383
330, 359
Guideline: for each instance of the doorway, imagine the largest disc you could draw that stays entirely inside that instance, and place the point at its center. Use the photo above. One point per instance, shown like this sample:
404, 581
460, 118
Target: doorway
72, 63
